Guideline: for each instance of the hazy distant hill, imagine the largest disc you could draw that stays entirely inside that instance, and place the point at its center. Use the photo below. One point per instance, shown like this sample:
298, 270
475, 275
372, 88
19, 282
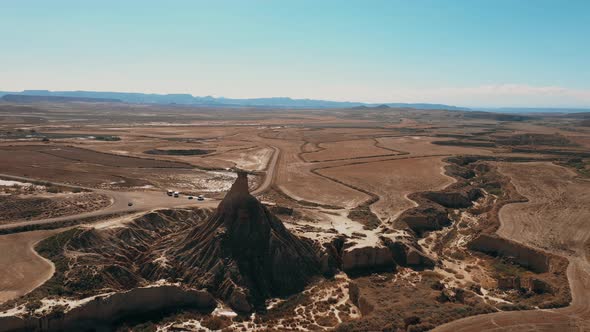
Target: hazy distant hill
495, 116
35, 99
531, 110
187, 99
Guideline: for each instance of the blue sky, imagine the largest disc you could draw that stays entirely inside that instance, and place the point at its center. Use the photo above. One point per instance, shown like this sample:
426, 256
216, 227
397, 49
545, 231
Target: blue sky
472, 53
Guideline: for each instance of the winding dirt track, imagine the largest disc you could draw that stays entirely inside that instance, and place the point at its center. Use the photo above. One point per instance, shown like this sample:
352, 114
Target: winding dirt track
557, 219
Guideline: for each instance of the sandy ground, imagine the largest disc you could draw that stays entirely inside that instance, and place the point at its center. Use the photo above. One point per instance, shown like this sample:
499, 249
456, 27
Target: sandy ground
295, 179
557, 212
346, 150
254, 159
422, 145
393, 180
22, 268
555, 218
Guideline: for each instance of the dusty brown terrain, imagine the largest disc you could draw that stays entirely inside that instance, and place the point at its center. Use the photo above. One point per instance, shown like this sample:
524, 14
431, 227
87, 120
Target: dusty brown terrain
416, 218
554, 219
23, 269
392, 181
361, 148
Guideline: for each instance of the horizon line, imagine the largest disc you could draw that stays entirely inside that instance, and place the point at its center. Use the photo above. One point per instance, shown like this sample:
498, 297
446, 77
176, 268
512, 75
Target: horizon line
5, 92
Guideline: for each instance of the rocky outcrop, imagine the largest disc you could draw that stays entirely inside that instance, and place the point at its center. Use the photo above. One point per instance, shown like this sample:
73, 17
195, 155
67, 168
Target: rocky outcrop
384, 256
331, 258
508, 282
455, 199
244, 254
104, 310
459, 171
533, 259
367, 259
535, 285
525, 283
408, 254
433, 207
358, 300
425, 218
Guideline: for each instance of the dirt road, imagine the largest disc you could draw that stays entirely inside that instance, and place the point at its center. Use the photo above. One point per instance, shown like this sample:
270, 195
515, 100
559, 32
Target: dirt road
556, 219
270, 173
142, 201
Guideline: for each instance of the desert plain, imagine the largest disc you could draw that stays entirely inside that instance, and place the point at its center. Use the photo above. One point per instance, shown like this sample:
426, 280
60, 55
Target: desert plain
365, 219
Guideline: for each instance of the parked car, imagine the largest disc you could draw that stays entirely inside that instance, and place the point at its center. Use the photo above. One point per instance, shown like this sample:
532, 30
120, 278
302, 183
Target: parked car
169, 192
200, 198
130, 204
176, 194
190, 197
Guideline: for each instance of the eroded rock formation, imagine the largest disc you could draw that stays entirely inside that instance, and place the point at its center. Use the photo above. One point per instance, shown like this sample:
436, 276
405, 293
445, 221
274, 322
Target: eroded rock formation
361, 259
533, 259
245, 254
103, 310
240, 252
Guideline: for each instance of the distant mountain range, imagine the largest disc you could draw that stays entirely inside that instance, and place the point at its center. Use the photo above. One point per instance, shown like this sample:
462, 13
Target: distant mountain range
274, 102
187, 99
35, 98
